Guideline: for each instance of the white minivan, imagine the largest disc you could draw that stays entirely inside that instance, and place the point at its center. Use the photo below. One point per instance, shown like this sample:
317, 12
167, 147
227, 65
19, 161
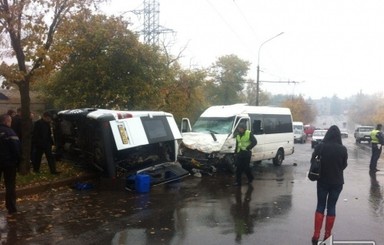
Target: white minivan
211, 141
298, 132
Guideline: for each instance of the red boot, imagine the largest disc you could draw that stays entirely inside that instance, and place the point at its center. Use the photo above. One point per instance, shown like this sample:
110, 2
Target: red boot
318, 224
329, 221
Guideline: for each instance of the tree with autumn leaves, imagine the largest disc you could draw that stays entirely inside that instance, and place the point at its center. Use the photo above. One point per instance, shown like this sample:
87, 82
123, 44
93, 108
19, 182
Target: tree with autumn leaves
28, 29
301, 110
107, 67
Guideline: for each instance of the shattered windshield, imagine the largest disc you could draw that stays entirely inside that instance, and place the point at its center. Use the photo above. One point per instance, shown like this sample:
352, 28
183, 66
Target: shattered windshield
216, 125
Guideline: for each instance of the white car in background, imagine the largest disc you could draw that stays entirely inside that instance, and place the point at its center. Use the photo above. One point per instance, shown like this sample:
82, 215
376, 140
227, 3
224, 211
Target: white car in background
318, 136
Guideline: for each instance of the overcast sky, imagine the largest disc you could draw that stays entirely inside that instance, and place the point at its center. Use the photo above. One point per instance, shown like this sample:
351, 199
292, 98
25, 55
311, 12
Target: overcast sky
329, 47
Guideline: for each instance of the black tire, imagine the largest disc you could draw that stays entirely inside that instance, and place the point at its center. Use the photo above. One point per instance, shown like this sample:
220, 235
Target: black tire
278, 160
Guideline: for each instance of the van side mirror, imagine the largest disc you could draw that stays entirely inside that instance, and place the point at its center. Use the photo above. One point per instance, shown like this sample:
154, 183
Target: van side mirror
185, 125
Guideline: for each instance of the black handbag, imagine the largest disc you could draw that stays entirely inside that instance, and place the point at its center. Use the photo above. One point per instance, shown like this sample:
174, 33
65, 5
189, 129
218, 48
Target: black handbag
315, 169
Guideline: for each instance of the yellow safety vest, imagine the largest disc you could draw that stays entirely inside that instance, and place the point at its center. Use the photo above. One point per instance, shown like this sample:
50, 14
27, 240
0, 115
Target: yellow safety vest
243, 141
374, 138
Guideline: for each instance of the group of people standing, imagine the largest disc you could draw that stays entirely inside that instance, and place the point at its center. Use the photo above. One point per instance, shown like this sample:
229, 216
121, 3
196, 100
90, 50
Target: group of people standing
10, 150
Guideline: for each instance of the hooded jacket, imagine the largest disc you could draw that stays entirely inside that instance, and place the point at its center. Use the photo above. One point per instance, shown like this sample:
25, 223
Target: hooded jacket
334, 157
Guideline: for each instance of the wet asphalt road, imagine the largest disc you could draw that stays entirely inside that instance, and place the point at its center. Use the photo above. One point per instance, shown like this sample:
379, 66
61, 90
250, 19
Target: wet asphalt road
277, 208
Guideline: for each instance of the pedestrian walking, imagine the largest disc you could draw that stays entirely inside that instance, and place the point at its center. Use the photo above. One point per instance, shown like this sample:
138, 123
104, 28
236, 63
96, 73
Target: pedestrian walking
9, 161
334, 158
245, 141
377, 140
42, 143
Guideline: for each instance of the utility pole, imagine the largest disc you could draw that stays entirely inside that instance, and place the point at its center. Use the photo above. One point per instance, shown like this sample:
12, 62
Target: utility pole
258, 67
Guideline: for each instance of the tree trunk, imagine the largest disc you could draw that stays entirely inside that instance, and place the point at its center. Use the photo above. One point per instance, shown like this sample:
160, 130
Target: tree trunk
26, 127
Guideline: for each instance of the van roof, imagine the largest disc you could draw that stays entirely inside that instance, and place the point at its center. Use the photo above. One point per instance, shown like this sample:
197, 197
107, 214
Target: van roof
238, 109
297, 123
96, 113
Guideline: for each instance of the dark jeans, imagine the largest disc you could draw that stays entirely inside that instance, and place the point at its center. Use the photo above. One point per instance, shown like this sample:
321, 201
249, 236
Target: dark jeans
9, 173
327, 196
376, 152
38, 152
243, 160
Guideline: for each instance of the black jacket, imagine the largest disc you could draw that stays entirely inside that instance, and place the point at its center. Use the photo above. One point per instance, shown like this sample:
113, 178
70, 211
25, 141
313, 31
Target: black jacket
16, 125
10, 150
334, 156
42, 134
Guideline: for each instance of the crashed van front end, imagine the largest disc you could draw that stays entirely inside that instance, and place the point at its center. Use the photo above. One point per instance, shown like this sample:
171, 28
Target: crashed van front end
206, 152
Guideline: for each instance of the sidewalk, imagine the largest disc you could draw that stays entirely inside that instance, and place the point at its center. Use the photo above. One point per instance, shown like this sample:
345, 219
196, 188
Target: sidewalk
40, 187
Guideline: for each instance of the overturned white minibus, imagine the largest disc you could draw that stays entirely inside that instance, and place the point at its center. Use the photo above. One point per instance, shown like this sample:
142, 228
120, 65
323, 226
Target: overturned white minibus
210, 143
121, 142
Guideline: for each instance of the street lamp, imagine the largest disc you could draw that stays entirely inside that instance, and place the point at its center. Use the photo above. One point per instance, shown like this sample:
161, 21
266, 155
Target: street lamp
258, 67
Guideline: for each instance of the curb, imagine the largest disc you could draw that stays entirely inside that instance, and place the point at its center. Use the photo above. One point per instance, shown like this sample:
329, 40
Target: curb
25, 191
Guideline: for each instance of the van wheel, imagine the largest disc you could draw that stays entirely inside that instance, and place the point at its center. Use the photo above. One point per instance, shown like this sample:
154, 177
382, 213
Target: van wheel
278, 160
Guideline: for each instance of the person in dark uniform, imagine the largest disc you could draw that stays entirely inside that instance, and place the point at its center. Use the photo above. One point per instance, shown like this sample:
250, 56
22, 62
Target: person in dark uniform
245, 141
377, 141
9, 161
42, 143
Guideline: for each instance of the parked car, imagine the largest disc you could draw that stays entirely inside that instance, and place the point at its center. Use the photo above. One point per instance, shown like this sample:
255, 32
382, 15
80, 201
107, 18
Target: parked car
363, 133
308, 129
317, 137
298, 132
344, 134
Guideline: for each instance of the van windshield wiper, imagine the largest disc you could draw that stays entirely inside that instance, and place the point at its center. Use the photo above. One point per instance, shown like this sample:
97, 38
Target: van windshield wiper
213, 134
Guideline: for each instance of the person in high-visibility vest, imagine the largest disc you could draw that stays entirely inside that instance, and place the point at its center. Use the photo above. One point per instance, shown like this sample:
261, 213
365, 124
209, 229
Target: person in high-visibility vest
245, 141
377, 140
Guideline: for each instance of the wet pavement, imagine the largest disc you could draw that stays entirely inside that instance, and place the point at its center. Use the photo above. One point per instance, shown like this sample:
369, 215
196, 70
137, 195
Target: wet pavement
277, 208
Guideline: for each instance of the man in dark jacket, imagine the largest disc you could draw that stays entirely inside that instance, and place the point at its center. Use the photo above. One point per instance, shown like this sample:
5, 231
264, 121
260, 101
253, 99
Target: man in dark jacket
42, 143
16, 123
9, 161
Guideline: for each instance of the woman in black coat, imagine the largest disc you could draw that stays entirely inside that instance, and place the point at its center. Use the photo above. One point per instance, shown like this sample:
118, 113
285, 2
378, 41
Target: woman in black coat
334, 158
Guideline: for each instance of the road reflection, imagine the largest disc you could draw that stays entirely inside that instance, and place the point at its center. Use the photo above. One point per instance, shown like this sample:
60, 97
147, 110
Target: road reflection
243, 221
201, 207
376, 196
